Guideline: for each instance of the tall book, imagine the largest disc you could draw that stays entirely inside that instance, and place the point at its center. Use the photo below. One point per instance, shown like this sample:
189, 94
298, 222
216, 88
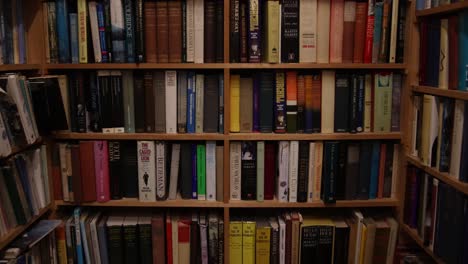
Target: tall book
162, 29
118, 31
266, 83
234, 29
323, 31
349, 21
174, 14
293, 170
360, 32
336, 31
146, 171
342, 104
161, 181
272, 33
171, 102
82, 31
209, 52
280, 103
235, 103
249, 171
382, 101
308, 31
330, 160
283, 171
198, 14
149, 29
290, 31
246, 112
291, 101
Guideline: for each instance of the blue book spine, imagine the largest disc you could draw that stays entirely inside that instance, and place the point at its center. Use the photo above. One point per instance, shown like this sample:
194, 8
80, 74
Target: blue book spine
84, 240
78, 246
129, 31
378, 10
21, 32
221, 103
194, 171
374, 175
74, 47
21, 167
62, 31
256, 94
420, 4
102, 31
463, 51
191, 102
360, 106
8, 54
102, 237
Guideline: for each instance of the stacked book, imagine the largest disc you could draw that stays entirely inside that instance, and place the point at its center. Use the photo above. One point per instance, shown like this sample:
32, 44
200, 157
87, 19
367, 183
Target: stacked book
317, 31
317, 102
13, 33
153, 31
442, 55
24, 188
18, 126
103, 170
438, 213
302, 171
293, 237
95, 237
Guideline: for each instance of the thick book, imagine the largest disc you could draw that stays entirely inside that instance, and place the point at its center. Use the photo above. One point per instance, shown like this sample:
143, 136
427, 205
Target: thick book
308, 31
171, 101
303, 169
246, 112
330, 160
453, 51
118, 31
291, 101
139, 105
209, 31
139, 31
293, 170
254, 31
182, 102
62, 31
199, 102
129, 101
280, 103
300, 104
342, 94
211, 101
266, 84
360, 32
161, 180
323, 31
201, 172
349, 21
199, 29
146, 171
370, 23
174, 14
185, 177
283, 171
248, 171
88, 176
383, 85
234, 28
336, 31
272, 34
210, 171
149, 31
162, 31
365, 154
129, 22
290, 31
174, 171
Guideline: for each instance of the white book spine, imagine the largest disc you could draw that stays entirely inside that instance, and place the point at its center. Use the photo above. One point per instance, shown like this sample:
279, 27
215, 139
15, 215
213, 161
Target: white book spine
359, 220
323, 31
64, 171
199, 93
199, 31
175, 160
94, 31
393, 32
171, 102
14, 91
293, 170
318, 171
160, 170
328, 101
282, 240
310, 186
211, 170
235, 161
190, 31
5, 146
308, 31
457, 138
146, 171
204, 243
283, 163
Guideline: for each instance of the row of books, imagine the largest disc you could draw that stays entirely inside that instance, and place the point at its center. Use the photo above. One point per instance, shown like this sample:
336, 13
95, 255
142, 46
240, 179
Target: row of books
438, 213
293, 237
24, 188
91, 171
318, 102
440, 134
18, 126
13, 34
445, 69
302, 171
160, 238
322, 31
134, 31
132, 101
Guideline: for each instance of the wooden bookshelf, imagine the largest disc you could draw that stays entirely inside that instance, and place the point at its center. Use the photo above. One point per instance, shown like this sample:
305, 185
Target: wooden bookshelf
138, 136
17, 150
442, 10
133, 202
443, 176
319, 66
387, 202
440, 92
314, 136
414, 235
15, 232
19, 67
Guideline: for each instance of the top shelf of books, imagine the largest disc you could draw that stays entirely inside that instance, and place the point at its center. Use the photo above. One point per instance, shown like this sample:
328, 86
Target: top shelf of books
443, 9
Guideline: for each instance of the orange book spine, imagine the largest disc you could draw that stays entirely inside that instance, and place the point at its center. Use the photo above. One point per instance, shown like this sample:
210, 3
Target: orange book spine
360, 32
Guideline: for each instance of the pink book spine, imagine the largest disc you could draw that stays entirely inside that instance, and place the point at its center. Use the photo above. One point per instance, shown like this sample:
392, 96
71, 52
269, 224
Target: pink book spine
101, 167
336, 31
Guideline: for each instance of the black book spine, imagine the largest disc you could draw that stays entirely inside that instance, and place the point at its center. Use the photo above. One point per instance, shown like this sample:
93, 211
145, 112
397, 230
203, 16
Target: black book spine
185, 171
184, 31
329, 172
89, 40
117, 101
340, 251
139, 104
249, 171
93, 104
105, 99
290, 31
274, 248
211, 100
219, 31
221, 241
446, 139
325, 245
309, 244
365, 155
234, 25
342, 87
80, 102
317, 111
464, 151
131, 243
130, 168
387, 184
401, 32
115, 170
266, 102
303, 175
139, 32
145, 244
359, 123
243, 30
115, 244
341, 171
353, 104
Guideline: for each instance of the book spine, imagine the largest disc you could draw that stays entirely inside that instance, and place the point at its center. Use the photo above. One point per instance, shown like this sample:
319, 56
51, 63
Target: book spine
293, 170
194, 172
462, 52
235, 241
161, 172
401, 32
385, 34
139, 32
146, 171
191, 102
102, 32
93, 25
329, 172
234, 26
129, 20
184, 31
291, 102
52, 32
108, 25
211, 171
369, 42
300, 104
118, 31
174, 171
171, 102
82, 31
396, 97
283, 174
101, 166
393, 32
360, 103
280, 102
243, 31
209, 52
255, 52
256, 105
311, 172
378, 10
235, 174
182, 102
382, 102
303, 169
248, 171
290, 31
128, 101
174, 14
248, 242
190, 31
62, 31
308, 31
201, 172
336, 30
272, 34
360, 32
199, 102
198, 13
260, 170
368, 103
235, 103
221, 104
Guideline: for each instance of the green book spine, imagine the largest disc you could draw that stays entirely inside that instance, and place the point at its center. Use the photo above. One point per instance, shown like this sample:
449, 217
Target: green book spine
260, 170
201, 172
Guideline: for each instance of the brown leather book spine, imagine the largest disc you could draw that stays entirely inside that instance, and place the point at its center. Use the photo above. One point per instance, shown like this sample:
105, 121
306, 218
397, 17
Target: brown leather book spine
56, 175
360, 32
175, 30
158, 237
149, 101
150, 29
88, 177
210, 31
162, 29
453, 51
76, 174
348, 31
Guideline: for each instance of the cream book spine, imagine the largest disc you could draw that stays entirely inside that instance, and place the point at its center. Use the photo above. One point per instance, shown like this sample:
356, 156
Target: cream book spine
146, 171
190, 31
328, 101
293, 170
323, 31
318, 171
161, 181
174, 173
283, 167
308, 31
171, 102
198, 30
82, 32
210, 169
235, 161
393, 32
93, 21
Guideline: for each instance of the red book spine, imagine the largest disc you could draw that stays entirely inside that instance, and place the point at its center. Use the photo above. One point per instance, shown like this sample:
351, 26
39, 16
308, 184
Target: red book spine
88, 176
453, 51
360, 32
269, 166
169, 240
183, 232
369, 33
56, 175
380, 187
101, 168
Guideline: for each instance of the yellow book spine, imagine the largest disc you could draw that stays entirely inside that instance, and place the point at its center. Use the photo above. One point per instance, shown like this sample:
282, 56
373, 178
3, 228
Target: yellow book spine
62, 251
235, 103
363, 244
272, 24
262, 251
235, 242
82, 32
248, 243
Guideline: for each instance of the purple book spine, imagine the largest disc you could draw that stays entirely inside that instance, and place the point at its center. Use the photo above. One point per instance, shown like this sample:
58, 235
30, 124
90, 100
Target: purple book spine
396, 95
194, 171
256, 93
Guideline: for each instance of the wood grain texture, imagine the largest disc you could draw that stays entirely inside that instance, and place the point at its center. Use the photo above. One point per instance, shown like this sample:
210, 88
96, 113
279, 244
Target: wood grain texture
387, 202
443, 9
138, 136
19, 67
133, 202
440, 92
314, 136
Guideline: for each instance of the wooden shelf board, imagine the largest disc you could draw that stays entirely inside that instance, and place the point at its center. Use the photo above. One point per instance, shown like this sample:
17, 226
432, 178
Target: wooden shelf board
387, 202
138, 136
444, 9
15, 232
134, 66
317, 66
19, 67
443, 176
441, 92
414, 235
314, 136
133, 202
17, 150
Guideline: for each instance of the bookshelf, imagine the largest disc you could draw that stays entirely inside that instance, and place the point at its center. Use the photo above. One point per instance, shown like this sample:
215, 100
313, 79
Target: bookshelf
414, 235
442, 10
20, 67
455, 94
